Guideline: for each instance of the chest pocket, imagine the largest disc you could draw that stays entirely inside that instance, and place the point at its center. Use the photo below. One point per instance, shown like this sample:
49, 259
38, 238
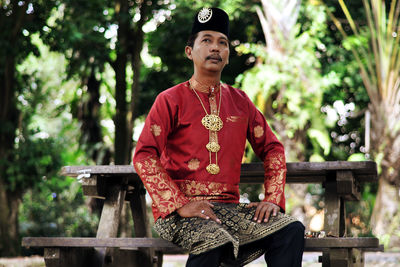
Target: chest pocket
236, 123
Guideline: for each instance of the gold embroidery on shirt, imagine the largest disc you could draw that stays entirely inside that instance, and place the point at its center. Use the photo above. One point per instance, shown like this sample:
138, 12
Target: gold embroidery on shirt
206, 190
162, 189
155, 129
236, 119
258, 131
193, 164
275, 170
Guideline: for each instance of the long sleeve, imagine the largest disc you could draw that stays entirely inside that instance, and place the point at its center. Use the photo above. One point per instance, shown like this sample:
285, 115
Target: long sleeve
164, 192
271, 151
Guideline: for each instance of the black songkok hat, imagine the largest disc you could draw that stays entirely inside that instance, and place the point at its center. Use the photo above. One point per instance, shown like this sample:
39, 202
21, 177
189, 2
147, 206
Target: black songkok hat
211, 19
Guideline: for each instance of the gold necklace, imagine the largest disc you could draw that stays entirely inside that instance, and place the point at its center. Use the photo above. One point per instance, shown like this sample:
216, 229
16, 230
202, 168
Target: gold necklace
213, 123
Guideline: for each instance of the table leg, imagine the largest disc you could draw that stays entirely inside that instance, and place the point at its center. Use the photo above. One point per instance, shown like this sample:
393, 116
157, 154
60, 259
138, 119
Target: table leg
110, 216
335, 210
343, 257
141, 223
332, 210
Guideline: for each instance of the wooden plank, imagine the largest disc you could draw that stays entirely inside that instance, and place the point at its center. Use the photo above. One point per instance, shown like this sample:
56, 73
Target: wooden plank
72, 256
297, 172
326, 242
118, 170
95, 242
312, 172
347, 185
342, 242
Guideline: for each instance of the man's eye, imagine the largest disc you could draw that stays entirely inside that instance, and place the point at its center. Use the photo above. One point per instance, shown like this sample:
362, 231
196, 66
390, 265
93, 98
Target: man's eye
206, 40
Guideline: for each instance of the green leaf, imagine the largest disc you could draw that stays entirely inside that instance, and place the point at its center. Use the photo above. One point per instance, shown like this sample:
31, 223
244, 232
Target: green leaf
322, 138
316, 158
356, 157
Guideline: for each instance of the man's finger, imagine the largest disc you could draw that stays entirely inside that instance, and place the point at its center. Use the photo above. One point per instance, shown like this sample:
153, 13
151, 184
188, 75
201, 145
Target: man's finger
209, 204
264, 213
267, 213
204, 214
275, 211
252, 204
215, 218
208, 214
257, 214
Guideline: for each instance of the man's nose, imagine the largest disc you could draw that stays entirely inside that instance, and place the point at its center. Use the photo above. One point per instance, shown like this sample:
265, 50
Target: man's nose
215, 47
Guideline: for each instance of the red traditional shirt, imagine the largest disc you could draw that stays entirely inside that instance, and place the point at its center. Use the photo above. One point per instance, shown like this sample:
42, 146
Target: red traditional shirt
171, 155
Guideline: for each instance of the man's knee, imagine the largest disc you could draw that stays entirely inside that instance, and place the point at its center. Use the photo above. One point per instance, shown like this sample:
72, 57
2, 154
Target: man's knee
293, 232
296, 228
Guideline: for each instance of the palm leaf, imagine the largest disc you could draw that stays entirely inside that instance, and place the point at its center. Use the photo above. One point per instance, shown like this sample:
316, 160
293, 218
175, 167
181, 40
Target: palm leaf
380, 64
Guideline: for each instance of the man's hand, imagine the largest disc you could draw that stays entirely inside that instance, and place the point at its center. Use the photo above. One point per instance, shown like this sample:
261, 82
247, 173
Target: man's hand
201, 209
264, 210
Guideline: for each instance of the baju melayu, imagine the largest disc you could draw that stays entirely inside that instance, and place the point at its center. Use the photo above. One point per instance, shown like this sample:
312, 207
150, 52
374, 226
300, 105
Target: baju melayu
171, 158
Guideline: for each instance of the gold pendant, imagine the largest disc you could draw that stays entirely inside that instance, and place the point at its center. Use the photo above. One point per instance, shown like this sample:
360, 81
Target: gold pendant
213, 168
213, 147
212, 122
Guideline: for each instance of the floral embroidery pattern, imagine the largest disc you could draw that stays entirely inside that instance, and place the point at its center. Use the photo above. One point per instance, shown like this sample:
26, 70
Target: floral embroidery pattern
163, 190
200, 190
258, 131
155, 129
275, 178
193, 164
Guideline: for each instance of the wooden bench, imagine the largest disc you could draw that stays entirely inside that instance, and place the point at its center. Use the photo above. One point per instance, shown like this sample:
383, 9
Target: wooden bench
116, 184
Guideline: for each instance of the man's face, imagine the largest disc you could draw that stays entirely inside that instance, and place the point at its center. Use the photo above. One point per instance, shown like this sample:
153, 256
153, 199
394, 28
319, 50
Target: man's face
210, 51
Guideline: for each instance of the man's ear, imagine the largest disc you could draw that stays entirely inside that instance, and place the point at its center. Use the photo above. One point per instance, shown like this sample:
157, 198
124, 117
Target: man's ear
188, 52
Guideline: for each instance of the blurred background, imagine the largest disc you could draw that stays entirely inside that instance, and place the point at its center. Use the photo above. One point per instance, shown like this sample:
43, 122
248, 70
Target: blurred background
77, 79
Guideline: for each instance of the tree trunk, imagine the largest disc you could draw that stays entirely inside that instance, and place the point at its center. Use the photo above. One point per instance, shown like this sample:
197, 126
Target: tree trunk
9, 223
4, 234
386, 208
9, 239
137, 38
89, 115
121, 128
386, 142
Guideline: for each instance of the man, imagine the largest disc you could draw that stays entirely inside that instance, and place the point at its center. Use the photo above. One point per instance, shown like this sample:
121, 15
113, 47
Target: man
189, 157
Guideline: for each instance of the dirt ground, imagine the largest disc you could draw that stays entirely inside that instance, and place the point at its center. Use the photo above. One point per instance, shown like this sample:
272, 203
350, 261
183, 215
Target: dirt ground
310, 259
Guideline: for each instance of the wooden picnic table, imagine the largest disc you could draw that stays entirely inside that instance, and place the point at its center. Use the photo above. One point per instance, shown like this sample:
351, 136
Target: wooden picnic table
119, 183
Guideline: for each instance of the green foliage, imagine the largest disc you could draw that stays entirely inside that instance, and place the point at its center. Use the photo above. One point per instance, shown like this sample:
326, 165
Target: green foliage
33, 159
288, 86
55, 208
320, 138
78, 29
15, 37
48, 139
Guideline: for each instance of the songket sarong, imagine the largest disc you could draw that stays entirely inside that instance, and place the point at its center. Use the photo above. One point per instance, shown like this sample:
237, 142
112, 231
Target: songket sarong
198, 235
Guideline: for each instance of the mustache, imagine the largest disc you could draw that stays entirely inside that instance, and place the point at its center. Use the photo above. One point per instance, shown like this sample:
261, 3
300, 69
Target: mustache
215, 57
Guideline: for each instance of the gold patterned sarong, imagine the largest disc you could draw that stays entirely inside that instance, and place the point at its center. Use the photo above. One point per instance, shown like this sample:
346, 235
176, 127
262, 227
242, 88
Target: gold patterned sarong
238, 228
